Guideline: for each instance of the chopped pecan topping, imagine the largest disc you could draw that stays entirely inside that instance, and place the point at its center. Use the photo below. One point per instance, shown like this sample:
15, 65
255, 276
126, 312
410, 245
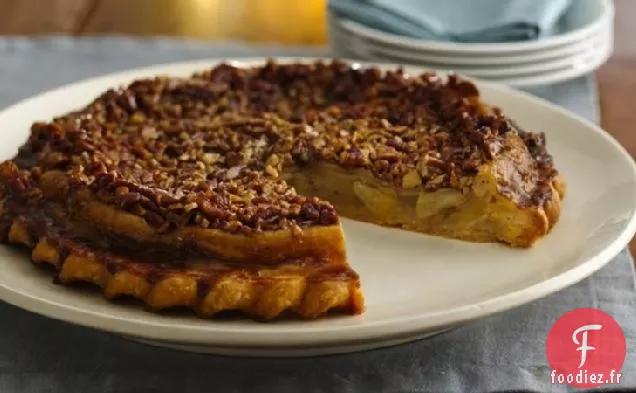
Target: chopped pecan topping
210, 150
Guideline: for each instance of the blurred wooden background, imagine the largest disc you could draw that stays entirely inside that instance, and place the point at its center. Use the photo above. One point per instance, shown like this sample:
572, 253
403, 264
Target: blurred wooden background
298, 22
284, 21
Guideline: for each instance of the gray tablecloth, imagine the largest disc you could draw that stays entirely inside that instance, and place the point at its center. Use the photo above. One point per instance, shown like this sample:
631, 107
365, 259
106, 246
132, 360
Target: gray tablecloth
505, 352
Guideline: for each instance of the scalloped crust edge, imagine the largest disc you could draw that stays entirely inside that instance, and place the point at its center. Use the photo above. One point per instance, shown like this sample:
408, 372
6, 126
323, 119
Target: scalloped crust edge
262, 294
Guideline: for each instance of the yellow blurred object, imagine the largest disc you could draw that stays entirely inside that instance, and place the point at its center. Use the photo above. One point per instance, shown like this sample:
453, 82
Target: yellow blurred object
286, 21
282, 21
291, 22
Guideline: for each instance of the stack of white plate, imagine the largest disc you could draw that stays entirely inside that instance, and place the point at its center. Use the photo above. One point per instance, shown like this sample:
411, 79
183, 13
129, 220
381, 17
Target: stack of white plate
582, 41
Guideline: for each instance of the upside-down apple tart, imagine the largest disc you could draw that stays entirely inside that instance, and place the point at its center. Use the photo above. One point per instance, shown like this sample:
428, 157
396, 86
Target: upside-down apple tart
223, 190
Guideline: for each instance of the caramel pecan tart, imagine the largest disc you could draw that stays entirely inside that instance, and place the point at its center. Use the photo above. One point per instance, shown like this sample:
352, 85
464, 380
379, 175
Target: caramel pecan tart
222, 191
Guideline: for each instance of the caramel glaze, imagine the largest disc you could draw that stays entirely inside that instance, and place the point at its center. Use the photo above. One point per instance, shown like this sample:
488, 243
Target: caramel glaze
153, 262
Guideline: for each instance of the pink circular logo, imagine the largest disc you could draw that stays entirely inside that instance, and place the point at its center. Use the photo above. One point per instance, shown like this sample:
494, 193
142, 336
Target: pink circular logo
585, 348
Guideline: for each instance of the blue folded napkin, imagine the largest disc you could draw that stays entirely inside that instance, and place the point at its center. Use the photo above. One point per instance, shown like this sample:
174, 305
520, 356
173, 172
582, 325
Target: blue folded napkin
470, 21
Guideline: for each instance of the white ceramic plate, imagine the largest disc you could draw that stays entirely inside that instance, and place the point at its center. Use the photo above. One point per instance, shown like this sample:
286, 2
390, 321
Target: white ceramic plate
338, 37
595, 48
415, 285
582, 66
582, 19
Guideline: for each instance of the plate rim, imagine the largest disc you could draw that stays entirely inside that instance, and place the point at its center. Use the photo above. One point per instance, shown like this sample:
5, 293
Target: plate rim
585, 56
593, 42
526, 80
606, 14
213, 333
481, 59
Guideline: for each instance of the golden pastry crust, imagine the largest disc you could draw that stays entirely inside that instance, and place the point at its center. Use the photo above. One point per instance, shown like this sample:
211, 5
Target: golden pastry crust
307, 287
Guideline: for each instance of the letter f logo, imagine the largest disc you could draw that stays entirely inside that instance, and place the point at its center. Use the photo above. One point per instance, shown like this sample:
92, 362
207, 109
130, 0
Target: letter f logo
584, 347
